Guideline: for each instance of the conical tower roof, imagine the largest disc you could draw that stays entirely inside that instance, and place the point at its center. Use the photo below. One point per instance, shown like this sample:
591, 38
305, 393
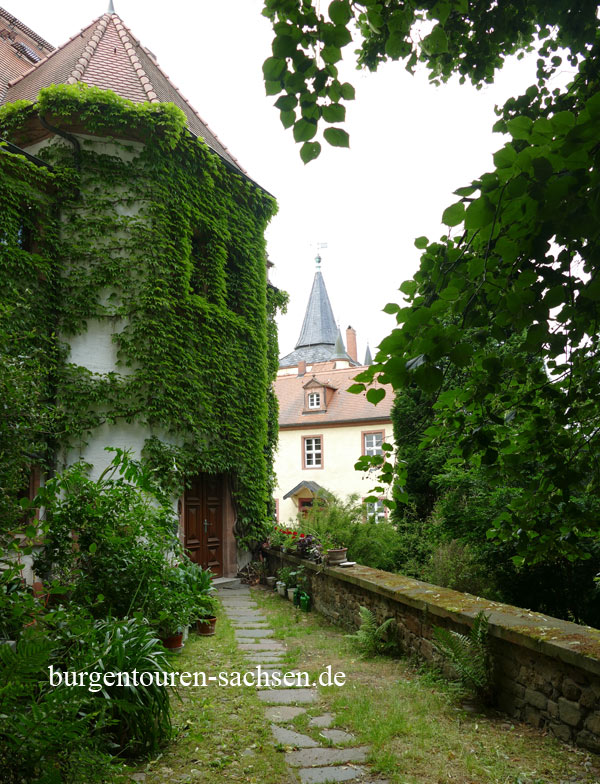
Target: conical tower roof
105, 54
319, 325
339, 350
368, 357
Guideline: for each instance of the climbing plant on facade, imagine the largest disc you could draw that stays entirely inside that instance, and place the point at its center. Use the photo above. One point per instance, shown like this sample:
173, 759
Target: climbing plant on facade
165, 244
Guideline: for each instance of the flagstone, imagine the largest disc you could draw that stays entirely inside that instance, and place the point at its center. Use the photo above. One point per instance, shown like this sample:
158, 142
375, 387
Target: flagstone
291, 738
287, 696
340, 773
320, 756
283, 713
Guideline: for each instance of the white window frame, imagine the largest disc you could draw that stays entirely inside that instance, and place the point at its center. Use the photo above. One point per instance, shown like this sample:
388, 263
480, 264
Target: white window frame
314, 400
313, 452
376, 509
375, 448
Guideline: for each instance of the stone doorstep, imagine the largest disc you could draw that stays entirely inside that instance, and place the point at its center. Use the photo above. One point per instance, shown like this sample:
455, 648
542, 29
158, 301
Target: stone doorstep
320, 756
321, 775
287, 697
292, 738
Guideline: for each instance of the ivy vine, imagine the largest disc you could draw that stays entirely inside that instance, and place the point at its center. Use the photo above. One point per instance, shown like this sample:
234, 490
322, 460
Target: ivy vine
164, 242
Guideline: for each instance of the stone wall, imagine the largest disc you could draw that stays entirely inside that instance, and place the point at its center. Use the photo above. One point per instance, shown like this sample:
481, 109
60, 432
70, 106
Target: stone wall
546, 671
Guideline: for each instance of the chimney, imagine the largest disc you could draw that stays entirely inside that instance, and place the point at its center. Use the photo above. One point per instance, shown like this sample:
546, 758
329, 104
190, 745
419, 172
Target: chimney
301, 367
351, 343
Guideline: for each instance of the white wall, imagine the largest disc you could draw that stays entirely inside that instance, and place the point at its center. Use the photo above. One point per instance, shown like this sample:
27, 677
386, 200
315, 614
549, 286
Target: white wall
341, 449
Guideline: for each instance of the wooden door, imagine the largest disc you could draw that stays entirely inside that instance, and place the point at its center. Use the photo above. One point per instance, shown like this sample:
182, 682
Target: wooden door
203, 522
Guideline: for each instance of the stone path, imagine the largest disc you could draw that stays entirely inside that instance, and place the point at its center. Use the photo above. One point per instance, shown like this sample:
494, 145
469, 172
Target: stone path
313, 763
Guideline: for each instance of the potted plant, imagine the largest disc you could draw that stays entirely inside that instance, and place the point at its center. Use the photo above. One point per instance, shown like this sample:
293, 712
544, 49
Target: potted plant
271, 580
170, 606
333, 549
204, 604
206, 616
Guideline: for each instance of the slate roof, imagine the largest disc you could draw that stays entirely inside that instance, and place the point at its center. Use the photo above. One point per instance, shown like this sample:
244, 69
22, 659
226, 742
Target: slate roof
16, 41
343, 408
319, 333
313, 487
106, 54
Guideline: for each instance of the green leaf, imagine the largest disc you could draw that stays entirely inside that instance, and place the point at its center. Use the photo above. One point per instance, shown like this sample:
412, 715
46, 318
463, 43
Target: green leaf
340, 12
309, 151
409, 287
273, 68
348, 91
479, 213
283, 46
272, 88
421, 243
286, 103
391, 308
505, 157
436, 42
375, 395
287, 119
454, 214
304, 130
337, 137
562, 121
331, 54
31, 531
428, 378
520, 127
593, 106
334, 113
356, 389
461, 354
397, 46
92, 548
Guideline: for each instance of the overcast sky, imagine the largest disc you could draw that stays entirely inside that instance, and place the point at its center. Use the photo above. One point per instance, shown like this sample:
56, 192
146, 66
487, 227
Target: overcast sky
411, 146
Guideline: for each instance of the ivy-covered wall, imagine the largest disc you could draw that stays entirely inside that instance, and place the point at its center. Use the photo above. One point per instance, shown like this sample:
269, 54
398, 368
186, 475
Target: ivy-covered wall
162, 249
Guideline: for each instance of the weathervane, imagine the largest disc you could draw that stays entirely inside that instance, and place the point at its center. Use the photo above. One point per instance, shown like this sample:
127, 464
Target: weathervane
320, 246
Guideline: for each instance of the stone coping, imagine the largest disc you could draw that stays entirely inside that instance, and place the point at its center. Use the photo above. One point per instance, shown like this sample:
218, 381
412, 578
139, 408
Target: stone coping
569, 642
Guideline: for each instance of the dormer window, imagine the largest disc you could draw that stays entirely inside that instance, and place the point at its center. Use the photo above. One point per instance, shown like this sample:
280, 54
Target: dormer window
314, 400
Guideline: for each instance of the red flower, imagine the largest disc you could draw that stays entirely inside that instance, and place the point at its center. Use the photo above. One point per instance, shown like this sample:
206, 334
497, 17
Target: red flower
302, 536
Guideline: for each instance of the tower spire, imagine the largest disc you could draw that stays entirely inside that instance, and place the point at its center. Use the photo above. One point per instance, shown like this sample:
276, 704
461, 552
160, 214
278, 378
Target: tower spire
111, 7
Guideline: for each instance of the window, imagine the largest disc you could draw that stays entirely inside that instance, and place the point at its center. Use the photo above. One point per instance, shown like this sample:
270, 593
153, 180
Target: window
372, 443
304, 506
314, 400
312, 452
375, 511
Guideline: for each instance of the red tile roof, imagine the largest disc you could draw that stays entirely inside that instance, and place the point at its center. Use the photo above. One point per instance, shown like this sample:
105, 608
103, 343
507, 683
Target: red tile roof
105, 54
343, 408
14, 35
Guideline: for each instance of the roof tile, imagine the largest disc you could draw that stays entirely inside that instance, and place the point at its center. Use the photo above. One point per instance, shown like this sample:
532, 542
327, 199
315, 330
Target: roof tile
343, 406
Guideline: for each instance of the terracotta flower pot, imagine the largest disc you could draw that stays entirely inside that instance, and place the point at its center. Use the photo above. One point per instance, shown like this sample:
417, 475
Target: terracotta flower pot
173, 642
206, 626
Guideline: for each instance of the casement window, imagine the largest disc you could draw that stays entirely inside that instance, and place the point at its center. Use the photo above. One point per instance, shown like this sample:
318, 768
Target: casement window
312, 452
314, 400
372, 442
304, 506
375, 511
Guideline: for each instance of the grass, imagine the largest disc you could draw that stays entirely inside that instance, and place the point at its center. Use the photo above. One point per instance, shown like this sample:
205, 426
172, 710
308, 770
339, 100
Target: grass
221, 732
414, 722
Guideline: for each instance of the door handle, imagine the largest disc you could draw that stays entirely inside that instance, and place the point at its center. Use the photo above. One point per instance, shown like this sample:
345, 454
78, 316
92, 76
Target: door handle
205, 526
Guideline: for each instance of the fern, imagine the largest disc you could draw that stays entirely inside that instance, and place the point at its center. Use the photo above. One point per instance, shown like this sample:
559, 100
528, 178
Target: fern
370, 638
469, 654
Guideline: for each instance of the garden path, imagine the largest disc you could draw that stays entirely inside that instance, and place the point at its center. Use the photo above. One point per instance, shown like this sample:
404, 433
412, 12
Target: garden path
333, 760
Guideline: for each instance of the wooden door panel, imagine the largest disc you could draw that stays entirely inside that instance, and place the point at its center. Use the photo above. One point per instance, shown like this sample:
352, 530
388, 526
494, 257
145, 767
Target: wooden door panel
203, 522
